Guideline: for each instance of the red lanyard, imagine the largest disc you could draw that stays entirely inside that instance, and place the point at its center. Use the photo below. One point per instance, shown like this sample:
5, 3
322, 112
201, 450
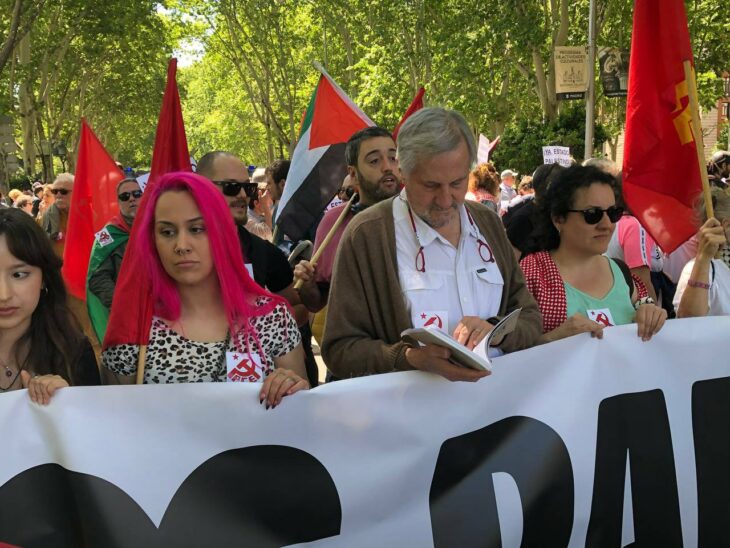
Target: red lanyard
482, 246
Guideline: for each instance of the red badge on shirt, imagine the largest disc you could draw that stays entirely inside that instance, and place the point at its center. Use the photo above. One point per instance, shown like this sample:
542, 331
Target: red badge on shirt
243, 367
601, 316
438, 319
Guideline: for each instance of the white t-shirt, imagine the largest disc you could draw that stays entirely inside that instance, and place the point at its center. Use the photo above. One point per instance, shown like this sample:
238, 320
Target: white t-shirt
718, 296
674, 262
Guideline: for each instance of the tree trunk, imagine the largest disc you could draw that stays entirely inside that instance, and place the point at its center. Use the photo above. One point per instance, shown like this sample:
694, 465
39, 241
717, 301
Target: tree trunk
11, 39
27, 112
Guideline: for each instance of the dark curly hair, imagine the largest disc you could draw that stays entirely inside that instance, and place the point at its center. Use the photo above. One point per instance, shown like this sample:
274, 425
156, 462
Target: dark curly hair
558, 199
54, 341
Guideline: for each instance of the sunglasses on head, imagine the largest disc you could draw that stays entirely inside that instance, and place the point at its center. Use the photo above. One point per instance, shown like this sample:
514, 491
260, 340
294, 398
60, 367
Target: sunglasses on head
593, 215
125, 196
233, 188
61, 191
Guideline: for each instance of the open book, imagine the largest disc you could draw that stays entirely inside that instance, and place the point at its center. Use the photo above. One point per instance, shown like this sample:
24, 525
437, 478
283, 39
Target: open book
476, 359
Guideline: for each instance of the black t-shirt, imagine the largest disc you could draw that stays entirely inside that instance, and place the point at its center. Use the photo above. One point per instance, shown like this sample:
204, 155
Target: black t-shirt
87, 370
270, 266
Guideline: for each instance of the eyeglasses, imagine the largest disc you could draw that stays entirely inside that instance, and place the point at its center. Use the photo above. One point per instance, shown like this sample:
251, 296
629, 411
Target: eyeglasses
593, 215
348, 192
233, 188
61, 191
485, 252
125, 196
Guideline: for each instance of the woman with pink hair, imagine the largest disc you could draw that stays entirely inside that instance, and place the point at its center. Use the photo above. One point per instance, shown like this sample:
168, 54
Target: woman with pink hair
208, 320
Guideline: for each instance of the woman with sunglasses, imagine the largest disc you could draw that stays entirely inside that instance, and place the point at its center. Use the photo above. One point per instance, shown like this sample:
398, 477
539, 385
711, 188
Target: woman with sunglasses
107, 255
577, 288
184, 287
42, 347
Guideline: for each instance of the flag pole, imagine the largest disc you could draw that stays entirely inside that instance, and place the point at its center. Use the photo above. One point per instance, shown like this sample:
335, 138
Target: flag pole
329, 236
591, 91
697, 132
140, 363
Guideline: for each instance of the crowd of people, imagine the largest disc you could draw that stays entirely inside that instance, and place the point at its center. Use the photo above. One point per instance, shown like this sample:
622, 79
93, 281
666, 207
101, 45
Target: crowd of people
418, 235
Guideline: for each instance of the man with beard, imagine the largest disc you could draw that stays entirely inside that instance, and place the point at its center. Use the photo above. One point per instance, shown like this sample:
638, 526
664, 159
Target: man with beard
425, 257
373, 168
266, 264
107, 255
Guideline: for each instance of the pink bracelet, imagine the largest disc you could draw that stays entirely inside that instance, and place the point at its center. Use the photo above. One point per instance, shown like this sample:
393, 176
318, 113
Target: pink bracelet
698, 285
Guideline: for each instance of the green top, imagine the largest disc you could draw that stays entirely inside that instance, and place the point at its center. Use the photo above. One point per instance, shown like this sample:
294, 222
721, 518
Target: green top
615, 308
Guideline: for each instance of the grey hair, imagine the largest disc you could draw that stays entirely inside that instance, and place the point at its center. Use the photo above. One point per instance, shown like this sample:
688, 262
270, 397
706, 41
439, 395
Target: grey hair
720, 205
604, 164
432, 131
64, 178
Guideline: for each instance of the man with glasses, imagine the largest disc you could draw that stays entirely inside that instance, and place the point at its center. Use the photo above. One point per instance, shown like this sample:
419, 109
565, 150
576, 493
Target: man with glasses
266, 264
55, 218
107, 254
425, 258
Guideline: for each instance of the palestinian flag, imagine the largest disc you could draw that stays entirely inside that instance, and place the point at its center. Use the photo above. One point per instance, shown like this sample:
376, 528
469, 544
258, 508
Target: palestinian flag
109, 238
318, 163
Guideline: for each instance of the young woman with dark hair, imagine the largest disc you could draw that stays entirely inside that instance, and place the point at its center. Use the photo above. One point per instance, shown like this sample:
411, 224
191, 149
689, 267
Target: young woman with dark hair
207, 310
577, 288
42, 347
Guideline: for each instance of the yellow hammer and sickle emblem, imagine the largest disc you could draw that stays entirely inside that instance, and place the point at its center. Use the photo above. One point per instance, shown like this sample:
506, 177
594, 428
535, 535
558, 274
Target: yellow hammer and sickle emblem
682, 115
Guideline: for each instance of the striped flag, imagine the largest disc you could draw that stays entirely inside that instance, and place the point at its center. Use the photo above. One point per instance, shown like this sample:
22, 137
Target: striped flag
318, 163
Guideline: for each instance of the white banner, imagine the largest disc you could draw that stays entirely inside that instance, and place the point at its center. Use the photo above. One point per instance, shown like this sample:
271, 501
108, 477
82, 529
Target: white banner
557, 155
583, 442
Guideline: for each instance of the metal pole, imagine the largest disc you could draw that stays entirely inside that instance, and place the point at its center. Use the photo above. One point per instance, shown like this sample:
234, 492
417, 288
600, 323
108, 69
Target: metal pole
591, 92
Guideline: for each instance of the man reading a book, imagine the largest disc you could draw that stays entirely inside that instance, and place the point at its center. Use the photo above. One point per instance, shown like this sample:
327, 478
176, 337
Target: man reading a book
425, 258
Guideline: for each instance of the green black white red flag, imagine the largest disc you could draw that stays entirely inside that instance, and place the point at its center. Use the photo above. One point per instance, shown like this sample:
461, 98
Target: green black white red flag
318, 163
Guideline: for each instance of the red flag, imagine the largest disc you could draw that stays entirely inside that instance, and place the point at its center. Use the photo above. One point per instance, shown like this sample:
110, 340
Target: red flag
171, 146
416, 104
661, 174
131, 313
93, 203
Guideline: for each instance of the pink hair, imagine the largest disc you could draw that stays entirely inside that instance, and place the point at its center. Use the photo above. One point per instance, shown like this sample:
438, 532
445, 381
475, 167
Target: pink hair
238, 290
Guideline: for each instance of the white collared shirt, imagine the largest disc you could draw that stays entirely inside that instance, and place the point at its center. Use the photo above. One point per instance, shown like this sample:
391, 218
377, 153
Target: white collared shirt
457, 281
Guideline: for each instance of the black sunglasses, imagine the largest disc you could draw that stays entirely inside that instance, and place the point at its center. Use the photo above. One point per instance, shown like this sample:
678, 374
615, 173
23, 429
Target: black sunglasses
593, 215
233, 188
348, 192
125, 196
61, 191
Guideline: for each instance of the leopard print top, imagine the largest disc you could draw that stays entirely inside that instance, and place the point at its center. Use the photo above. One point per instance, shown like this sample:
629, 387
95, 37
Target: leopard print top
171, 358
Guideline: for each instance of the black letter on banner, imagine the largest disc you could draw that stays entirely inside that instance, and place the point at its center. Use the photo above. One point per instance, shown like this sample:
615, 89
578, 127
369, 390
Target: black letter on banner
711, 425
462, 499
636, 423
268, 495
264, 496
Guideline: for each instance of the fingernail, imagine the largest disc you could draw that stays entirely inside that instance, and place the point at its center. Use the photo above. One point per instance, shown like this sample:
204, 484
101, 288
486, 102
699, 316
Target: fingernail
261, 400
267, 406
